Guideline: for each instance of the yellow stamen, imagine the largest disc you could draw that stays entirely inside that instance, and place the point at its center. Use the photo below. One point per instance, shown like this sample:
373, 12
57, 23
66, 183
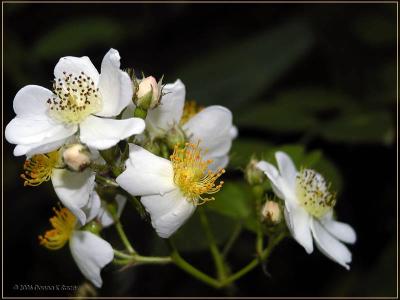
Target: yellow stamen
313, 193
63, 223
191, 173
39, 168
190, 109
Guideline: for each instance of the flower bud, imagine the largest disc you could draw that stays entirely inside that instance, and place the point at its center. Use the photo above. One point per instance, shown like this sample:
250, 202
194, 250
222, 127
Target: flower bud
253, 174
174, 136
93, 227
148, 93
271, 212
76, 157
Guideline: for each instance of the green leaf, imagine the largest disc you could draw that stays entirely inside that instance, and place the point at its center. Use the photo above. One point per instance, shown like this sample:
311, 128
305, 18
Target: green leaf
191, 237
375, 30
233, 200
77, 35
238, 72
243, 149
359, 127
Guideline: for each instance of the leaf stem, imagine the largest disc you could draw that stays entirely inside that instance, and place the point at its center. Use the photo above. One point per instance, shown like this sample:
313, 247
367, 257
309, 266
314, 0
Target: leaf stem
123, 237
216, 254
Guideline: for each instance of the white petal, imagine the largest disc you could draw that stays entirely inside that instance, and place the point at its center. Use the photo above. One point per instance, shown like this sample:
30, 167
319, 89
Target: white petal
33, 149
34, 136
91, 253
92, 208
233, 132
146, 173
168, 212
170, 110
76, 65
31, 102
105, 217
218, 162
339, 230
298, 221
74, 190
212, 127
286, 168
101, 133
330, 246
273, 175
27, 131
115, 86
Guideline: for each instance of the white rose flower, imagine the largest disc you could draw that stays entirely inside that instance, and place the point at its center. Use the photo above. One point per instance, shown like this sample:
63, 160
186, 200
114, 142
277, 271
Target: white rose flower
82, 101
212, 126
309, 209
170, 190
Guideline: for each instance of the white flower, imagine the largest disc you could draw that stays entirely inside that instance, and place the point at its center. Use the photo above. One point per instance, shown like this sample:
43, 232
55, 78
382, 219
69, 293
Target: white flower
90, 252
169, 190
212, 126
309, 209
74, 189
82, 101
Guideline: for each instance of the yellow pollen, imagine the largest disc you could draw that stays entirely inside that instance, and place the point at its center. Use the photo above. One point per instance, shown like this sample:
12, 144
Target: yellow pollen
63, 225
190, 109
191, 173
76, 98
313, 193
39, 168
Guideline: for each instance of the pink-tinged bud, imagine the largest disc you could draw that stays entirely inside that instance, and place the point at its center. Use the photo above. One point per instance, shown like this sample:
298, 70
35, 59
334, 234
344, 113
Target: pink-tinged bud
148, 93
271, 212
76, 157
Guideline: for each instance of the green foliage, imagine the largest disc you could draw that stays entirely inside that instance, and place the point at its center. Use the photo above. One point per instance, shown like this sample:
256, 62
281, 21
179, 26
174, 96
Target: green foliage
74, 36
319, 112
226, 76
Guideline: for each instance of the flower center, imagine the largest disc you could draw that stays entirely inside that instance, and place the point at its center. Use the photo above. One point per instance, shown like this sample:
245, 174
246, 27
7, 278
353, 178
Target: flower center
63, 225
76, 98
313, 193
39, 168
190, 109
191, 173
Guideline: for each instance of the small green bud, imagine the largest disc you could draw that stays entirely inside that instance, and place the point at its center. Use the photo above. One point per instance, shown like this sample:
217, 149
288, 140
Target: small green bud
174, 136
76, 157
153, 147
254, 175
93, 227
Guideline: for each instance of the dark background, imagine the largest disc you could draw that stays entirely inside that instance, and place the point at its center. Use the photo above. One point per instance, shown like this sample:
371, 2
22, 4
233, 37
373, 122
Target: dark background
318, 75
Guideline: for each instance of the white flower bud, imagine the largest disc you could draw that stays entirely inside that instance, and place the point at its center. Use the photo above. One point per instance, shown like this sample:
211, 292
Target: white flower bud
76, 157
148, 93
271, 212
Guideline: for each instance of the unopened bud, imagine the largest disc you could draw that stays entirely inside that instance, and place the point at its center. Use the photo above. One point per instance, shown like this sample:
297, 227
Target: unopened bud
153, 147
93, 227
253, 174
76, 157
174, 136
271, 212
148, 94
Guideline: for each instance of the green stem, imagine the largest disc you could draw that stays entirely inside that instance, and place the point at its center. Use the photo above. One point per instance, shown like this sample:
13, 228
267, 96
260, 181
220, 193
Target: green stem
232, 239
153, 259
216, 254
185, 266
124, 258
123, 237
250, 266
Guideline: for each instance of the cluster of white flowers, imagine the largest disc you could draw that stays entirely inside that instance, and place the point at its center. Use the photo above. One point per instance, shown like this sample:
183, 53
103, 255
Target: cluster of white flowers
177, 153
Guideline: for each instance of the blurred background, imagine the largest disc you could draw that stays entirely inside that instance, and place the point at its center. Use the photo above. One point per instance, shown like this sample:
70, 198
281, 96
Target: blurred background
316, 80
